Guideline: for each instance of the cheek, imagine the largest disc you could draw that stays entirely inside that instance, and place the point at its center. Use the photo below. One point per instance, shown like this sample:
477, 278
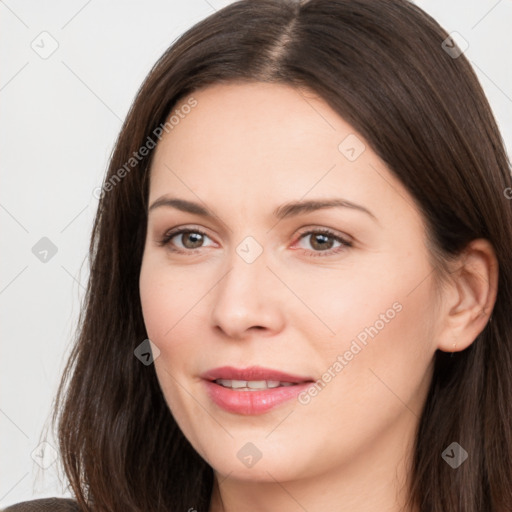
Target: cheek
382, 320
172, 300
346, 303
377, 366
167, 297
167, 300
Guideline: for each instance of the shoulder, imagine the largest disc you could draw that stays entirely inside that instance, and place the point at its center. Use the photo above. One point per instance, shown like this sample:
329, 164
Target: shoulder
44, 505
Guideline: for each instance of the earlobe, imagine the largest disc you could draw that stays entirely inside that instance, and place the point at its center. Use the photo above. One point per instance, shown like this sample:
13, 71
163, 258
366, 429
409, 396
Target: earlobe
470, 297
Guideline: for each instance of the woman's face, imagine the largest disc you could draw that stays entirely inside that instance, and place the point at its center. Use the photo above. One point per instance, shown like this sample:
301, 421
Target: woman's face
338, 299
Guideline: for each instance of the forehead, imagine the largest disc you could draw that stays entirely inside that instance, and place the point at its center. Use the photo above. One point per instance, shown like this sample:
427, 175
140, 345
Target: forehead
246, 131
258, 120
256, 143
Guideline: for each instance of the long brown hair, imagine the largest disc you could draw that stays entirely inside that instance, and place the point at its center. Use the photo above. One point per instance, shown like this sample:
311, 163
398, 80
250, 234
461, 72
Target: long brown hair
382, 67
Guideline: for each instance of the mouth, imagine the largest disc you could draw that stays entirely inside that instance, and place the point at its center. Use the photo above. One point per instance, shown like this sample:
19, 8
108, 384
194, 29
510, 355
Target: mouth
254, 390
253, 377
252, 385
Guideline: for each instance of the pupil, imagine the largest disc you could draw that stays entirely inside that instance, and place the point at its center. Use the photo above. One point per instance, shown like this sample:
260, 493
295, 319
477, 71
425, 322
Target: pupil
324, 241
195, 239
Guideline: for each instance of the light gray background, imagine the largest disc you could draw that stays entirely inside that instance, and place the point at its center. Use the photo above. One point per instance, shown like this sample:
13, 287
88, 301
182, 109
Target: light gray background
60, 116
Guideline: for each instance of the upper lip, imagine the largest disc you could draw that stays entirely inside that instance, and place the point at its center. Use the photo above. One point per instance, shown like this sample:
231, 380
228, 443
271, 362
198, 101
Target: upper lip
252, 373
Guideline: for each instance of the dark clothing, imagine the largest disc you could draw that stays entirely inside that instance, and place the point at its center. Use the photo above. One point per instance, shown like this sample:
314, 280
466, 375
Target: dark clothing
44, 505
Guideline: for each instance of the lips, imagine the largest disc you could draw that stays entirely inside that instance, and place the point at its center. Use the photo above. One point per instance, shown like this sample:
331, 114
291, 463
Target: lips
253, 390
253, 373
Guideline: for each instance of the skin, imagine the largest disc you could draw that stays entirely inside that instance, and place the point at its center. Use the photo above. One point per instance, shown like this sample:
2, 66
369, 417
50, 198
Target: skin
244, 150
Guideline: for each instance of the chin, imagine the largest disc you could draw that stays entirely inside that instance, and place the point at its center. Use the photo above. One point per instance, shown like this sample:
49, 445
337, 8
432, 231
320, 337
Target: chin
259, 460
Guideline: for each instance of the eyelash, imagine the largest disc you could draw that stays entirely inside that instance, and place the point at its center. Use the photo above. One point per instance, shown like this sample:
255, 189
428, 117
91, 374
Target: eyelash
165, 241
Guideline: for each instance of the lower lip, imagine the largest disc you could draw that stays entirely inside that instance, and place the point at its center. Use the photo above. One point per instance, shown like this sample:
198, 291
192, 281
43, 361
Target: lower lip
252, 402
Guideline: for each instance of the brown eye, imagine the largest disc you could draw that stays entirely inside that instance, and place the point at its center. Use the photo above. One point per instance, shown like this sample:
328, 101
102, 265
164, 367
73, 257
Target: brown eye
183, 240
324, 242
191, 239
321, 242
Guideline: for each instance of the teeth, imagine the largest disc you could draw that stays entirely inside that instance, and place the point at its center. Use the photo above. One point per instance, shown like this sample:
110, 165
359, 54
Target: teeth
258, 384
252, 385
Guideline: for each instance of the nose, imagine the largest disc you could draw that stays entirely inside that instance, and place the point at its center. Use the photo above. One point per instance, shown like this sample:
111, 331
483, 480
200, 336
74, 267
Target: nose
248, 298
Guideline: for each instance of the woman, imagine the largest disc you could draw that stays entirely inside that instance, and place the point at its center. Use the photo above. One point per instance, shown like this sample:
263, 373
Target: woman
306, 212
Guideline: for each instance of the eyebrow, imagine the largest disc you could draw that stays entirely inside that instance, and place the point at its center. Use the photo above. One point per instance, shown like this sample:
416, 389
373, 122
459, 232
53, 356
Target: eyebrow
284, 211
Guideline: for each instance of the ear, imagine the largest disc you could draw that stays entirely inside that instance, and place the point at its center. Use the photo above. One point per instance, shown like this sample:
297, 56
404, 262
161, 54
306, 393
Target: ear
469, 297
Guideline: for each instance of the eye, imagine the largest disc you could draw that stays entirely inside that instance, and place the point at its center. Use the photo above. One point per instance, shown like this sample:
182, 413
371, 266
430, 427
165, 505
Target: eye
186, 239
322, 241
